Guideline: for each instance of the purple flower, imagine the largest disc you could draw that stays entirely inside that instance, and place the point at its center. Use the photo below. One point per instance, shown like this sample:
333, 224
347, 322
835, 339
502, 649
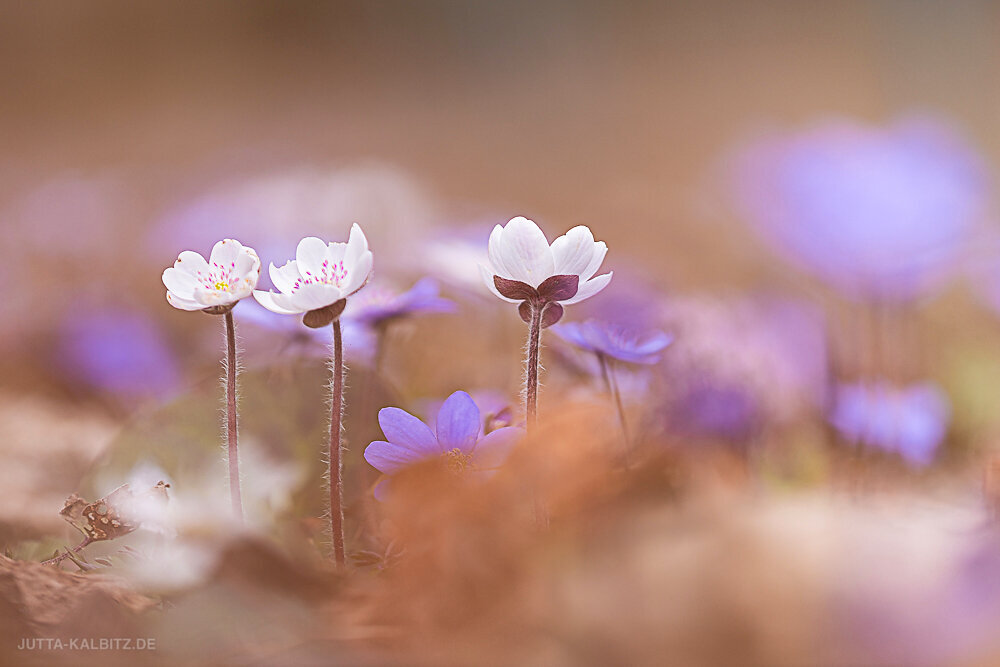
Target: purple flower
118, 351
376, 306
740, 364
712, 409
494, 408
459, 441
614, 341
875, 213
910, 421
358, 341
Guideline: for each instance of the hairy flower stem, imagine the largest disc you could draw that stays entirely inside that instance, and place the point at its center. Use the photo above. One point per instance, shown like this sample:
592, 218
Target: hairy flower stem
231, 424
336, 473
611, 384
65, 554
531, 376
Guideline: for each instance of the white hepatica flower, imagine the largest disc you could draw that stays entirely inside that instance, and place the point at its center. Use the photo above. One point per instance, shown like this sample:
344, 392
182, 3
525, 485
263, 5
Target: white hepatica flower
320, 276
230, 274
519, 251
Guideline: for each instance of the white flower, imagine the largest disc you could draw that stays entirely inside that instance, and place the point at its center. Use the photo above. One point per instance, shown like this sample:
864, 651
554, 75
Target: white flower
519, 251
320, 275
230, 274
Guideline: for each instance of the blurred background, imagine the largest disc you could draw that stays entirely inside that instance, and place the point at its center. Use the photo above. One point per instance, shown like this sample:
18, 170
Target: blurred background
802, 194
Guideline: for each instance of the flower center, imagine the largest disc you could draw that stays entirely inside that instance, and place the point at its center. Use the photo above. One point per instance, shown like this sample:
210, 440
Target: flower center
329, 274
456, 461
218, 277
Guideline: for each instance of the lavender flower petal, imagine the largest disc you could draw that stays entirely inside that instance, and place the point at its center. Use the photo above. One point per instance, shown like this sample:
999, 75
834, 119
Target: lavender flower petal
389, 458
458, 423
406, 431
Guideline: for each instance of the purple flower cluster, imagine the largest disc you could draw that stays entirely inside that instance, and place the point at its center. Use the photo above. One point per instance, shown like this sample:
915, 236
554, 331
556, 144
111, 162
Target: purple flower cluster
909, 421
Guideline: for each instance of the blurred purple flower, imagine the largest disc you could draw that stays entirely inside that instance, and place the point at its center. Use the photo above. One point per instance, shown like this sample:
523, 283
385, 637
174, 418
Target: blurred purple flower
740, 364
716, 409
359, 344
458, 441
118, 351
377, 306
875, 213
910, 421
272, 210
634, 303
614, 341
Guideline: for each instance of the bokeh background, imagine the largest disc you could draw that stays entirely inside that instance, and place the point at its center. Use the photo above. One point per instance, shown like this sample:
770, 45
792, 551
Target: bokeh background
803, 194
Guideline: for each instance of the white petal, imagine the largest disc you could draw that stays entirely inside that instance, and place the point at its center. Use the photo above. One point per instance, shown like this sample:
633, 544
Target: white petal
357, 245
309, 297
183, 304
525, 252
213, 297
310, 255
224, 254
488, 279
181, 283
244, 288
247, 264
493, 250
284, 278
573, 251
335, 252
266, 299
590, 288
600, 250
358, 273
190, 262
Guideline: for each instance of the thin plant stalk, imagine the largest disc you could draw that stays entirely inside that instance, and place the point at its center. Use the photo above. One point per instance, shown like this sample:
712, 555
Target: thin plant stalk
335, 458
531, 374
66, 553
611, 384
231, 422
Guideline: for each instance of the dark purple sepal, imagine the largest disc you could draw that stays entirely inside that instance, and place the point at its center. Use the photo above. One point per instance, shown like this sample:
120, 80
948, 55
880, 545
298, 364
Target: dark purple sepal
515, 289
219, 310
559, 288
552, 313
524, 310
319, 318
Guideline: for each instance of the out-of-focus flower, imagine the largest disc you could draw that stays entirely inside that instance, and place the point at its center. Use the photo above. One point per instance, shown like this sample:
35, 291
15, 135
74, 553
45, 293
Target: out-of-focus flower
458, 440
520, 253
115, 350
614, 341
738, 364
359, 343
636, 303
320, 275
909, 421
876, 213
453, 256
270, 211
377, 305
230, 274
